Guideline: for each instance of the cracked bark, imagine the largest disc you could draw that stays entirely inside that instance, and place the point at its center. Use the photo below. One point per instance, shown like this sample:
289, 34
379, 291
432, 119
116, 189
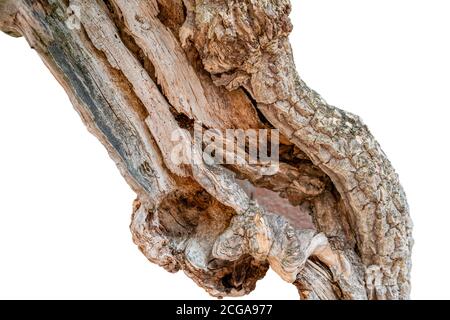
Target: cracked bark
333, 220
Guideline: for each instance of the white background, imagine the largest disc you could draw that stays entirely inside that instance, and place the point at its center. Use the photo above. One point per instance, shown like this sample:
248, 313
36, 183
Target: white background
65, 209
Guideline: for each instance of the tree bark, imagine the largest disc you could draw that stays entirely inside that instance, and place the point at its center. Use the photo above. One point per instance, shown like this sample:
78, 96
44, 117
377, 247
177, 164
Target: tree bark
136, 71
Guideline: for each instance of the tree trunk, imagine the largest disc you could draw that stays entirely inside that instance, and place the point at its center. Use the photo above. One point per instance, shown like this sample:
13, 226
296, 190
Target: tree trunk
138, 71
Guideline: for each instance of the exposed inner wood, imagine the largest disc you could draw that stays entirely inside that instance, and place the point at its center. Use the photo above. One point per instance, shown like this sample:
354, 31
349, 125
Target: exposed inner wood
333, 220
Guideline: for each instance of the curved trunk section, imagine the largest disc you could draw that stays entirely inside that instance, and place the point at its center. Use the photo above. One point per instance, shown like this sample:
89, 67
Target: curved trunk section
333, 219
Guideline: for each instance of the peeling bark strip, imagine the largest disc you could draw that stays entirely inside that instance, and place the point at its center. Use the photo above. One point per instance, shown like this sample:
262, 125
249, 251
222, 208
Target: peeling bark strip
138, 70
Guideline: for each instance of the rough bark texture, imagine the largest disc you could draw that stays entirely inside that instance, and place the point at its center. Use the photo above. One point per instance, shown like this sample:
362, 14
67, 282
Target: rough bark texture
137, 70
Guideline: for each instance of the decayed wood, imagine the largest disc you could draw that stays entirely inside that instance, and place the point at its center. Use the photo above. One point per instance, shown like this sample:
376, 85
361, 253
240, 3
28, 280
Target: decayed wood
136, 71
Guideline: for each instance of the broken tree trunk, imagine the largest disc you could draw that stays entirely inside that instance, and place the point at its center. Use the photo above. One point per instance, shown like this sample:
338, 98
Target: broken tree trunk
137, 71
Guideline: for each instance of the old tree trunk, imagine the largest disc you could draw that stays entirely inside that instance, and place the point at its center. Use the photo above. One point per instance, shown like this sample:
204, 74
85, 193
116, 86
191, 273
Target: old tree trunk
333, 220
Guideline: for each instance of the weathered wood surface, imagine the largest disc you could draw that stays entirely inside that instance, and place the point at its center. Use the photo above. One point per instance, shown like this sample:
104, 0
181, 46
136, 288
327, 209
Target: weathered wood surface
138, 70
